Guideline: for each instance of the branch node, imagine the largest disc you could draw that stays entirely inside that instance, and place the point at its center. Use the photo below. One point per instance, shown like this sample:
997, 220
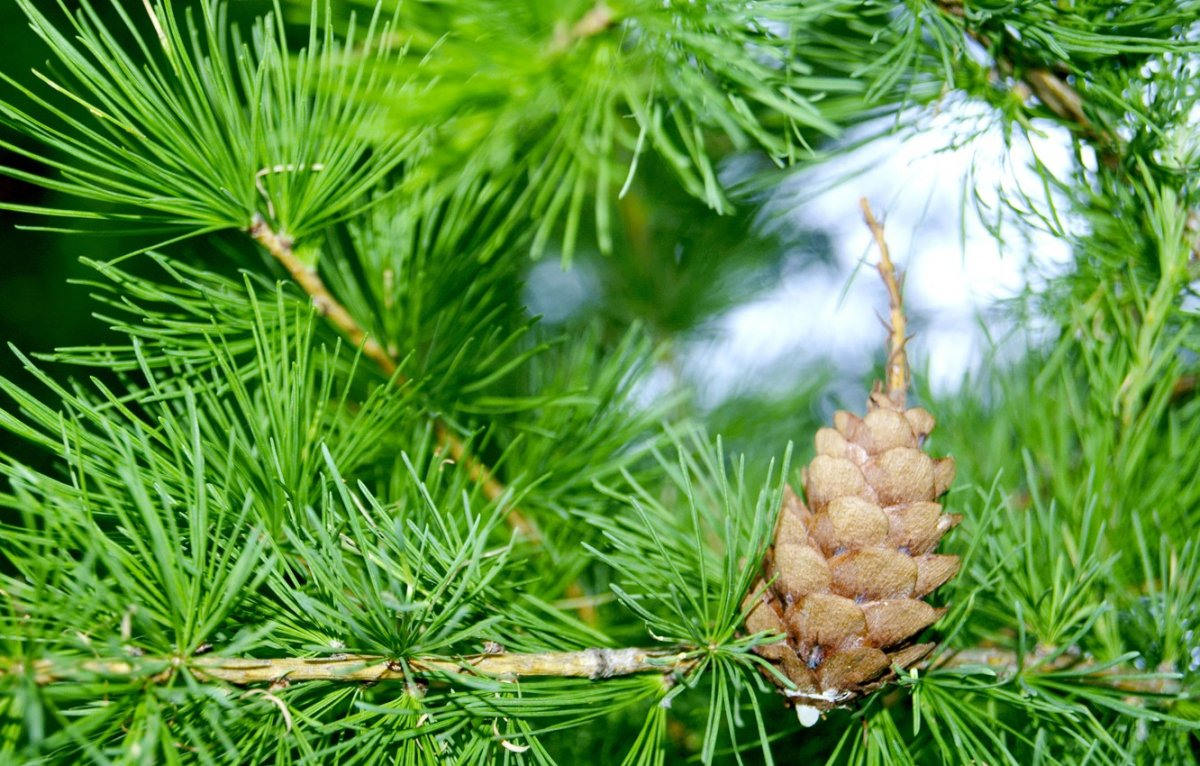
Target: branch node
599, 663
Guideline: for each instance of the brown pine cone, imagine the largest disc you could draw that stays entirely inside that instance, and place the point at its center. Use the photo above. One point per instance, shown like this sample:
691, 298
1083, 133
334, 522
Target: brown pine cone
852, 566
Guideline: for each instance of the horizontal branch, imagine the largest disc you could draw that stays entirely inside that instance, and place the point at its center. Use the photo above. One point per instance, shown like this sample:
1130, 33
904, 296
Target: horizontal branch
1043, 660
594, 664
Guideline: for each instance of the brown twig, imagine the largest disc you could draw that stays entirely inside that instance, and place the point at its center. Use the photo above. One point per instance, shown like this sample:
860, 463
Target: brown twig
595, 664
280, 248
897, 372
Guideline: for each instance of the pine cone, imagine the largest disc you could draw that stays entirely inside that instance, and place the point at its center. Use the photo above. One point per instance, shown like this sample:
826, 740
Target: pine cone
851, 568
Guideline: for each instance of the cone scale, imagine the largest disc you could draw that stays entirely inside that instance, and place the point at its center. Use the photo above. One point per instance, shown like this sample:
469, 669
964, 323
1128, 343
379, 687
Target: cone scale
850, 565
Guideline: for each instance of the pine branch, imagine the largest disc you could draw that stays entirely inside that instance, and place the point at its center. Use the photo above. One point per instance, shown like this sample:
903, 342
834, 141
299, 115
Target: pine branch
595, 664
1043, 660
1065, 102
897, 373
1055, 93
280, 248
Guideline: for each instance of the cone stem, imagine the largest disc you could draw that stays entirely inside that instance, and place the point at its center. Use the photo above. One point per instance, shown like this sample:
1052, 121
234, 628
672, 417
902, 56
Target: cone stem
897, 367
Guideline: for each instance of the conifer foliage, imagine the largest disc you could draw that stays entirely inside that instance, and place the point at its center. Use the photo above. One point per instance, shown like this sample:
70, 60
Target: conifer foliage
329, 493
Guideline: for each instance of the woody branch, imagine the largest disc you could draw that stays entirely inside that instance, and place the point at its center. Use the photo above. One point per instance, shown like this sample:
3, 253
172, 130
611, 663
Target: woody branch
595, 664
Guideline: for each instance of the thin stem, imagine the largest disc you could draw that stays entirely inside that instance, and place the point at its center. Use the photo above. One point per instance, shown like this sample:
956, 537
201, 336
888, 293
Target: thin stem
897, 370
280, 248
